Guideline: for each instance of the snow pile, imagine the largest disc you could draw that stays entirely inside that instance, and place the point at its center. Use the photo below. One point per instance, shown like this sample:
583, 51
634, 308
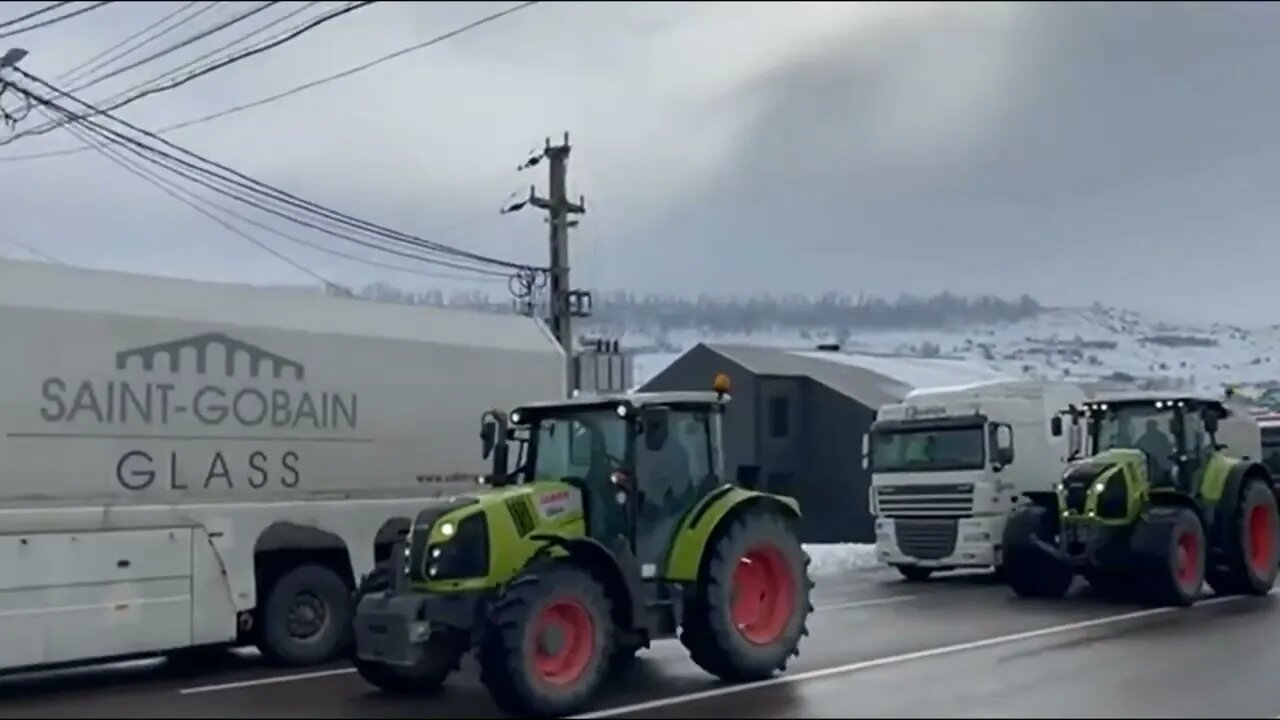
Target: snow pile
837, 558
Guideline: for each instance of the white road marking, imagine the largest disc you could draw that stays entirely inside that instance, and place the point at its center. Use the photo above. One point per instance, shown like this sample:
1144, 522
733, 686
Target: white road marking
266, 681
892, 660
346, 671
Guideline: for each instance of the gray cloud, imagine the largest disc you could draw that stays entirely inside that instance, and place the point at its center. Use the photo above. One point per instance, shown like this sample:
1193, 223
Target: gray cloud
1071, 151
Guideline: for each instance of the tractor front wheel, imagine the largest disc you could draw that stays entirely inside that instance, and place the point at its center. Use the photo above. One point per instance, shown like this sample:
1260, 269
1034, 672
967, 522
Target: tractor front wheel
747, 614
548, 643
1169, 547
1030, 571
1252, 548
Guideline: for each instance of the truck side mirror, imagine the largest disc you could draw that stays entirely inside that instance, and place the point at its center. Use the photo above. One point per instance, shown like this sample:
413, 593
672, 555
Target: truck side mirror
866, 450
1055, 426
1002, 445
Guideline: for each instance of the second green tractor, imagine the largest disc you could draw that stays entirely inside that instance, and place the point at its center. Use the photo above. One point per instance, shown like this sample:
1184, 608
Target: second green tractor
615, 528
1167, 494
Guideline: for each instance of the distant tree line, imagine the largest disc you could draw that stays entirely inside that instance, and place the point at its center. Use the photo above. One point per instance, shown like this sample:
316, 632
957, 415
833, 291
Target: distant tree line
661, 313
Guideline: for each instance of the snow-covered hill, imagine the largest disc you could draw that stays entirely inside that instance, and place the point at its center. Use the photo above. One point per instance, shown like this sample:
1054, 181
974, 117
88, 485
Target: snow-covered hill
1097, 343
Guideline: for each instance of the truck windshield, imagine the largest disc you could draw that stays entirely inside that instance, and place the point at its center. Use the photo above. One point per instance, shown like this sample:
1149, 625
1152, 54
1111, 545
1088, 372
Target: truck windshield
928, 450
585, 444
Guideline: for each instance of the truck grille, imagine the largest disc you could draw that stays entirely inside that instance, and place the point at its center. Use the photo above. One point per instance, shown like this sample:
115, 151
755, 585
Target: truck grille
926, 539
940, 501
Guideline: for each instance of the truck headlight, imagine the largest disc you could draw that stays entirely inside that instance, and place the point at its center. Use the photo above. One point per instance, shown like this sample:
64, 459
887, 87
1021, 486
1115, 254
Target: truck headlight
974, 537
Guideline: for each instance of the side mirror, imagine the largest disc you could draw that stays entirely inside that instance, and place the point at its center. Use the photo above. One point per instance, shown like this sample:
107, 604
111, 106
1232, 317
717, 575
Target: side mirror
655, 423
1055, 426
1002, 445
488, 437
1211, 423
866, 450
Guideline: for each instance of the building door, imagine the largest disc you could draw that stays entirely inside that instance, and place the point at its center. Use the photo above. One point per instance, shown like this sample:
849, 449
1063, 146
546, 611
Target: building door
778, 436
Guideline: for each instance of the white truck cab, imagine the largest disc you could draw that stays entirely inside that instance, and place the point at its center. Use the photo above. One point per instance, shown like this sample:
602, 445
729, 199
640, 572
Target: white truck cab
1269, 424
948, 464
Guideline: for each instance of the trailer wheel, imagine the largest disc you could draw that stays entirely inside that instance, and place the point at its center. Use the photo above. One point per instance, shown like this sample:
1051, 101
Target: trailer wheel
1030, 571
1169, 546
748, 612
1252, 549
306, 618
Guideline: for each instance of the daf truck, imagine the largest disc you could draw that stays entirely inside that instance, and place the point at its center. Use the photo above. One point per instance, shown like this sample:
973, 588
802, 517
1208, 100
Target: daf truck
189, 465
949, 464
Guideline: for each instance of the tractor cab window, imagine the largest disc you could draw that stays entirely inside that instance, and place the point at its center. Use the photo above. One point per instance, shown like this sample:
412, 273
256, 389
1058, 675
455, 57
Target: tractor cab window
1143, 427
674, 459
586, 444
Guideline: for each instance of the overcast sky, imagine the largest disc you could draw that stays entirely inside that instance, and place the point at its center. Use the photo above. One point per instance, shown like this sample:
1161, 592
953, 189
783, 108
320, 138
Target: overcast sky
1121, 152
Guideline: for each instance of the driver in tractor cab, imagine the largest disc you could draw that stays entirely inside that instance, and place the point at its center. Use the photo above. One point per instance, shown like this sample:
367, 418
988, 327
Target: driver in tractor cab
666, 470
1158, 447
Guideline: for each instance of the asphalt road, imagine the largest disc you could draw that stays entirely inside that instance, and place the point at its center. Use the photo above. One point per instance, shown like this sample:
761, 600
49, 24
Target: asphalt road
952, 647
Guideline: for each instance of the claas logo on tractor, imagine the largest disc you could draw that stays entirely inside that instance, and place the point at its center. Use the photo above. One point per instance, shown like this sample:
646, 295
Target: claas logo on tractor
564, 569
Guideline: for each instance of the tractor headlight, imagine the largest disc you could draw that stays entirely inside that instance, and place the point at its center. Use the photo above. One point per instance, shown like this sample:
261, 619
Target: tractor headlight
465, 551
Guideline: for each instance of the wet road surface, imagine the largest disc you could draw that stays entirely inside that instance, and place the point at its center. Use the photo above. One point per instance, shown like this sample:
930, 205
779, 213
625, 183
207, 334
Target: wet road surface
952, 647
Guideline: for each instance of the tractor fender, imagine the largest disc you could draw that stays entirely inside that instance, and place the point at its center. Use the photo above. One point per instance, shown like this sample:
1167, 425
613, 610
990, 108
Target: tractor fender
1231, 486
714, 512
617, 568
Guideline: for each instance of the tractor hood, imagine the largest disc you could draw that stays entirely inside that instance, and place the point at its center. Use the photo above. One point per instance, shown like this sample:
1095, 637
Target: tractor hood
1087, 486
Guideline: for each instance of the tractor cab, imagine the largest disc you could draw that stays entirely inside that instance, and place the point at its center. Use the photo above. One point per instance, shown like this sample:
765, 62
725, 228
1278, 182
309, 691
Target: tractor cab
1177, 435
640, 460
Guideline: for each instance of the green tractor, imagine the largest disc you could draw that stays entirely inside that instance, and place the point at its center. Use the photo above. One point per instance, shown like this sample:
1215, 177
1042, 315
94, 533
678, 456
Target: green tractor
1156, 507
615, 529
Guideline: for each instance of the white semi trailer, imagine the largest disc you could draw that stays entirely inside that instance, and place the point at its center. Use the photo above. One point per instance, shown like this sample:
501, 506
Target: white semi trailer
948, 465
186, 465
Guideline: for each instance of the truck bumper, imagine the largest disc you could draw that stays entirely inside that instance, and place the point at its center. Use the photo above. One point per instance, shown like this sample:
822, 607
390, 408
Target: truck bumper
940, 542
394, 628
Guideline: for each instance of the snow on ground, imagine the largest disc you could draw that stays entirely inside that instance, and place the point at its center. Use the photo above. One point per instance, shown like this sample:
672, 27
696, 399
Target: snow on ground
837, 558
1080, 344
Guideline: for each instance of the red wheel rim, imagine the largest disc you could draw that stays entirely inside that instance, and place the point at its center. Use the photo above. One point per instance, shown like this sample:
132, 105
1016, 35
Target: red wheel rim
564, 641
1188, 565
1260, 534
764, 595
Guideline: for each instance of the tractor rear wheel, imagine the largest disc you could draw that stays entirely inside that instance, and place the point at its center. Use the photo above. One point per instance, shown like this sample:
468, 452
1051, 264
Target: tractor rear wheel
1252, 549
1030, 571
1169, 547
548, 643
442, 653
748, 611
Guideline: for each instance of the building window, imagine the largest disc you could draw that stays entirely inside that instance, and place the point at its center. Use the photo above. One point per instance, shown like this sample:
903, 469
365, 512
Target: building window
779, 417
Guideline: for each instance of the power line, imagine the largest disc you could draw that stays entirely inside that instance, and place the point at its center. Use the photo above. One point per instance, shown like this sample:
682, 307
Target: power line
55, 20
254, 186
196, 37
190, 198
175, 193
34, 13
71, 76
298, 89
44, 129
194, 61
34, 251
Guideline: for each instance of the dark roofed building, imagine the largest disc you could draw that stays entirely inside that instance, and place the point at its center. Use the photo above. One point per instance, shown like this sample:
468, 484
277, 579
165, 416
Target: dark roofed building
794, 426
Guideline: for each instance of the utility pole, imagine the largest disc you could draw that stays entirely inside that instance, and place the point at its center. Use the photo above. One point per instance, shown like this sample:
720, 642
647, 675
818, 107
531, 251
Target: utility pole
565, 302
